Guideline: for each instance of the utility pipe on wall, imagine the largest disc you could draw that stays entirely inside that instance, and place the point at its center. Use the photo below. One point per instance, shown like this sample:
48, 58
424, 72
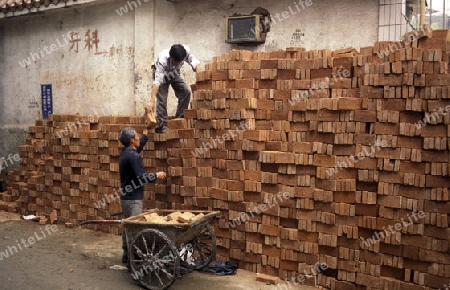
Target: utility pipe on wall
422, 12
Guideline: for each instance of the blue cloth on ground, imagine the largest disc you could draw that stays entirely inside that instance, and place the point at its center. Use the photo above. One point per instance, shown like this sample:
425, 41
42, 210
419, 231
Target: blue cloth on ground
221, 268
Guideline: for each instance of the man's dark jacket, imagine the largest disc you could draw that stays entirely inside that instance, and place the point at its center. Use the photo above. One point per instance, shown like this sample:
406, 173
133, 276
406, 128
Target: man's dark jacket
132, 172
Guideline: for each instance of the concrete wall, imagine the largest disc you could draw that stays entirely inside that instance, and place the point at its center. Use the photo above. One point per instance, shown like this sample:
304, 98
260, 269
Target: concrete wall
115, 77
11, 134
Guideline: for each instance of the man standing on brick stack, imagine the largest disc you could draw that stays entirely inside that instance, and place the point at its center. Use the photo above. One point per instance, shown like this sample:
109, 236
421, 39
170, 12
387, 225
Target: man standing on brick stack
167, 72
133, 177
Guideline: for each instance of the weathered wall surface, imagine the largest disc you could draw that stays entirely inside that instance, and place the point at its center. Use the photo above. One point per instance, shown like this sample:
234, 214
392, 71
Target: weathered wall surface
89, 63
112, 76
62, 50
12, 134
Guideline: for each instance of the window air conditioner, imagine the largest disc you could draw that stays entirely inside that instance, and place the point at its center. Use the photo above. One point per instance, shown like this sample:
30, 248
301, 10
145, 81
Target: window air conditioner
246, 29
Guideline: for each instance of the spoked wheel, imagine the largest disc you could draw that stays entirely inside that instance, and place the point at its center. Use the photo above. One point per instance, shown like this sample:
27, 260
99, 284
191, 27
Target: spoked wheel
154, 259
200, 251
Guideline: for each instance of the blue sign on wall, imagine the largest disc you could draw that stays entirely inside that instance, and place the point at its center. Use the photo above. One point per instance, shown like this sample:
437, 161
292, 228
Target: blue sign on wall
47, 100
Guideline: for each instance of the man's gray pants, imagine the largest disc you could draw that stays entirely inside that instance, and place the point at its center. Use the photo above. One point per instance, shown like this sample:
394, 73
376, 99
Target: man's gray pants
182, 93
129, 208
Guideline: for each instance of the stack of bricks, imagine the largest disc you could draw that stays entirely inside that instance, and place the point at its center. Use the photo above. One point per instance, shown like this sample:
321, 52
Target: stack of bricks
70, 163
333, 157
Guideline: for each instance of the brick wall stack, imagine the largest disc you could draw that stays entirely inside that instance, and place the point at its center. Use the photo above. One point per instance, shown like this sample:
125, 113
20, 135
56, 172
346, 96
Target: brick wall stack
307, 154
68, 163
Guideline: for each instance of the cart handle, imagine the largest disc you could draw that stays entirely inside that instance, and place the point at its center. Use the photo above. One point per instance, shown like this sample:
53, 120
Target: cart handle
147, 211
101, 222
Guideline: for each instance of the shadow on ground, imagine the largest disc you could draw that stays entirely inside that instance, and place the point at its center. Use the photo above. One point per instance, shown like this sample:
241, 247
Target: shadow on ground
80, 259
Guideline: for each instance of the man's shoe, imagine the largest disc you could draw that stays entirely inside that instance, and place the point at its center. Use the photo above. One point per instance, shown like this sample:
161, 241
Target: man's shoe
161, 130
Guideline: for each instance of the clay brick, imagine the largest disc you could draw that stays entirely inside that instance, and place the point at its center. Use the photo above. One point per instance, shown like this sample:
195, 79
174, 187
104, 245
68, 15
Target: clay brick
386, 129
289, 265
234, 165
286, 74
269, 73
434, 131
219, 154
343, 62
435, 156
326, 184
409, 142
350, 104
321, 73
270, 230
394, 105
251, 74
350, 266
304, 64
245, 84
255, 135
343, 285
410, 286
269, 64
341, 83
412, 167
327, 115
267, 279
436, 105
219, 75
301, 84
250, 257
371, 92
390, 201
437, 181
281, 94
265, 104
324, 160
270, 251
190, 114
236, 65
267, 84
235, 185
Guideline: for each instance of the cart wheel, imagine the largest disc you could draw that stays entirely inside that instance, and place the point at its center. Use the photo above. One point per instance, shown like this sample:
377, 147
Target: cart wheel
154, 259
201, 250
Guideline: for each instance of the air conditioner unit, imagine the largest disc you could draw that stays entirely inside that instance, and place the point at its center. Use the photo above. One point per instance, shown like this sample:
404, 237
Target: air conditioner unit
246, 29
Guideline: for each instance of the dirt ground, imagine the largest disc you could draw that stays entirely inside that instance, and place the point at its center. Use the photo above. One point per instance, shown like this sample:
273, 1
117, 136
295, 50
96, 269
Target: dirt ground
80, 259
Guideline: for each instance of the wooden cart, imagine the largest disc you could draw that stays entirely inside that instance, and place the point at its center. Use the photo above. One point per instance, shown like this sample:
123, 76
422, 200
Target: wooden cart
156, 250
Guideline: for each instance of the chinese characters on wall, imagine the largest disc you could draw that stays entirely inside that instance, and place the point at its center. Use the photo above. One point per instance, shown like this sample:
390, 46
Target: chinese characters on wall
297, 37
90, 43
47, 100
